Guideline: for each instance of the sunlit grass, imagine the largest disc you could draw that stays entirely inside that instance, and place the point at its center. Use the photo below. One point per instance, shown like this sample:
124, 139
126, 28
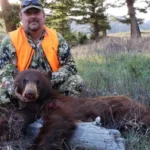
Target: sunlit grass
144, 33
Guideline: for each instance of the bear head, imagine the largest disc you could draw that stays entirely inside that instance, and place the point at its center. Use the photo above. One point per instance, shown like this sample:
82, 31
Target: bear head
31, 85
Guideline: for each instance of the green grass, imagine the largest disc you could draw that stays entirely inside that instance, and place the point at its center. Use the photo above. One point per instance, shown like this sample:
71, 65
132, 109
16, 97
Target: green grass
121, 74
118, 66
136, 141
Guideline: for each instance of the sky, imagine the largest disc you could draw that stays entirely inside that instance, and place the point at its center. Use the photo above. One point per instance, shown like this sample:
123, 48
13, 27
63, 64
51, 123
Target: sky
123, 10
118, 11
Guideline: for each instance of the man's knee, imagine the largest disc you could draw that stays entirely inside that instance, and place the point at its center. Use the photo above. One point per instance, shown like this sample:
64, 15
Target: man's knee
73, 86
75, 82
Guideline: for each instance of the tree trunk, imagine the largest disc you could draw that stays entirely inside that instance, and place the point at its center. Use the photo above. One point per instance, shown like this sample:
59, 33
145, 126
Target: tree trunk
104, 33
135, 30
7, 15
96, 30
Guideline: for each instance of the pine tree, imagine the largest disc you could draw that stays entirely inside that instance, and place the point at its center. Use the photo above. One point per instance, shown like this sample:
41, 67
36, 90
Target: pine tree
58, 16
93, 13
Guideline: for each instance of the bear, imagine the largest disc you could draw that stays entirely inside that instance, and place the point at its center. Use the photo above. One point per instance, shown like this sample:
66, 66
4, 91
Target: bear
37, 98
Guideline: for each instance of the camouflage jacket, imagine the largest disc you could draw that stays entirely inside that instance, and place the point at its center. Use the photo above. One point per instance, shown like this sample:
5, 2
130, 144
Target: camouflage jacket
8, 62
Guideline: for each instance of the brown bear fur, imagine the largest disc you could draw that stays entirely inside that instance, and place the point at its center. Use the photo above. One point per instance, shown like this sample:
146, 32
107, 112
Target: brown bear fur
60, 112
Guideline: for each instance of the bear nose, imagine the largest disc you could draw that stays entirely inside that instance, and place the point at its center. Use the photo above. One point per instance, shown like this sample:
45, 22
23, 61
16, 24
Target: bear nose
30, 94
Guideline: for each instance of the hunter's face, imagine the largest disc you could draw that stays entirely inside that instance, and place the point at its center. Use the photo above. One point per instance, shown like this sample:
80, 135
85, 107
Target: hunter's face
32, 19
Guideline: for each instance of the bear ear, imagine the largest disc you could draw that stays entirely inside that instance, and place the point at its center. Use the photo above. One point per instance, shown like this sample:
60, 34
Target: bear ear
49, 74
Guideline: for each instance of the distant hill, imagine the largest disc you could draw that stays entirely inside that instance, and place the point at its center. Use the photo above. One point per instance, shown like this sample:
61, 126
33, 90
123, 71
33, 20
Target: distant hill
145, 26
115, 27
85, 28
120, 27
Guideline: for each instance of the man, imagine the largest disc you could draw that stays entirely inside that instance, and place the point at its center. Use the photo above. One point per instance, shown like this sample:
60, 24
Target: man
33, 45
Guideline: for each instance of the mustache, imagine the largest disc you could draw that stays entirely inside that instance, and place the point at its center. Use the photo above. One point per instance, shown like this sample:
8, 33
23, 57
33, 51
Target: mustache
33, 20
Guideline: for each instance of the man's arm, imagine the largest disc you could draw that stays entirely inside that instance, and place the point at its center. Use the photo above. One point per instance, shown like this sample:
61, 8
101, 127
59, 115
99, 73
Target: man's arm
7, 69
68, 66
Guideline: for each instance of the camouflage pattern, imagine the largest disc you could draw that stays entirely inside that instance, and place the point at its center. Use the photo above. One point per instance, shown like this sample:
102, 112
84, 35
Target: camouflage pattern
73, 86
65, 80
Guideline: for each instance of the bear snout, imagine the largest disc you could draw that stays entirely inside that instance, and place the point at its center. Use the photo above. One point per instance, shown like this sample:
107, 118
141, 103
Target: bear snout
30, 92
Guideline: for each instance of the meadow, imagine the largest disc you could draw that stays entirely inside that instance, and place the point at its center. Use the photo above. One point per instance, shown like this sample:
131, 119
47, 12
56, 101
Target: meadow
118, 66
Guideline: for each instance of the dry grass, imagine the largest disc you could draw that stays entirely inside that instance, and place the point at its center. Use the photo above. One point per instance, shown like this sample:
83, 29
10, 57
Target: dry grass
144, 33
113, 45
130, 56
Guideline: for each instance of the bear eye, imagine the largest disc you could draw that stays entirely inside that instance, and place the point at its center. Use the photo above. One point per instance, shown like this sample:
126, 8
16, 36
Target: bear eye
37, 82
25, 81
